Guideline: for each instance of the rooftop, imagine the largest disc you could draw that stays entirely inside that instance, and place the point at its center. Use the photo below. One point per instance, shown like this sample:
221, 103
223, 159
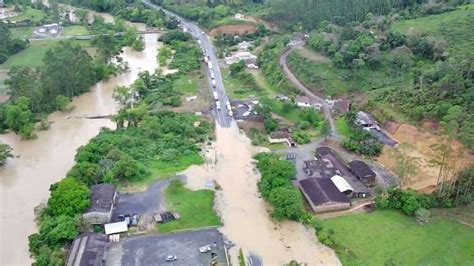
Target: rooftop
361, 169
322, 191
343, 106
88, 249
304, 99
341, 184
279, 135
115, 228
102, 197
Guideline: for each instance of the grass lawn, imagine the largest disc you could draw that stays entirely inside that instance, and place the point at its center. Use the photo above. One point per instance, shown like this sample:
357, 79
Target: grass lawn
33, 55
342, 126
194, 207
456, 27
188, 84
29, 13
166, 169
242, 87
75, 30
22, 32
391, 238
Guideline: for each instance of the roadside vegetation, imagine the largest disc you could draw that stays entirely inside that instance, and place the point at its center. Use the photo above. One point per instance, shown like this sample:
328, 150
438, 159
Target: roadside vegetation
194, 207
5, 153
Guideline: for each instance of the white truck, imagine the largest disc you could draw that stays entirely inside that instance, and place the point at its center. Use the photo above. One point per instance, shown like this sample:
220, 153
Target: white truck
229, 108
209, 64
214, 83
214, 94
218, 105
212, 75
206, 59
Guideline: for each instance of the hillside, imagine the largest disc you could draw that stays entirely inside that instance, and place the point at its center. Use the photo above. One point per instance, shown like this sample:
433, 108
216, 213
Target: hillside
456, 27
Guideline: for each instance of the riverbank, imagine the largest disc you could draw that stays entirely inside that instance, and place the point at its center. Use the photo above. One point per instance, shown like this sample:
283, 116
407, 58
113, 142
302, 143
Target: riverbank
26, 179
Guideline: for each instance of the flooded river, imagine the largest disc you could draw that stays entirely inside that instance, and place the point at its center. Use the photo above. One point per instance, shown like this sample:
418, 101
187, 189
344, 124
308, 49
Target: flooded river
24, 181
247, 222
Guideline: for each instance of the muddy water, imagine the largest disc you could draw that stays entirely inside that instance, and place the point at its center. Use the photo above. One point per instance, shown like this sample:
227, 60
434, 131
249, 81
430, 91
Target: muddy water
245, 215
25, 180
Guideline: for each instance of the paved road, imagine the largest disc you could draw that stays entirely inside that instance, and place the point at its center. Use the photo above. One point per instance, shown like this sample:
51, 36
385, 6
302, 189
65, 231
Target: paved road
222, 115
293, 79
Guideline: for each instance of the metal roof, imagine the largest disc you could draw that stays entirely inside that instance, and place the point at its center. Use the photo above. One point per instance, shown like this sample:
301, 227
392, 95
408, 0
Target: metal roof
102, 197
341, 183
322, 191
115, 228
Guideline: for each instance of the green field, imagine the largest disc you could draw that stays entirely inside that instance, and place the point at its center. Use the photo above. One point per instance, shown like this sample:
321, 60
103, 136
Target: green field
194, 207
22, 33
342, 126
75, 30
327, 78
456, 27
166, 169
35, 15
243, 86
188, 84
33, 55
391, 238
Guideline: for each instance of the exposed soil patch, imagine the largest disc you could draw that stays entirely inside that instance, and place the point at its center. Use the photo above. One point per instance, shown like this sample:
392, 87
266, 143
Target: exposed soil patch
236, 29
423, 146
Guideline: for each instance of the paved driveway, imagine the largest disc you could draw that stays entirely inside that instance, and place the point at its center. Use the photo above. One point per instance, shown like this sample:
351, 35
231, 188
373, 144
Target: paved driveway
141, 202
152, 250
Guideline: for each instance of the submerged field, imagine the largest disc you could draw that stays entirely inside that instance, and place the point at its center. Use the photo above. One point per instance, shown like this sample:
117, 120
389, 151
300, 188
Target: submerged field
391, 238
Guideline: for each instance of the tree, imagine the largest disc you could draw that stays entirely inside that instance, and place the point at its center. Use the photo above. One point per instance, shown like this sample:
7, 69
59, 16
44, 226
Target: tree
62, 102
5, 153
326, 129
69, 198
405, 165
287, 203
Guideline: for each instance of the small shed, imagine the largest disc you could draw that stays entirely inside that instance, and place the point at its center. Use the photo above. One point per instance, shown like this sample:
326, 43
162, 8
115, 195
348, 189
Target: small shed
341, 106
115, 228
281, 137
362, 171
342, 185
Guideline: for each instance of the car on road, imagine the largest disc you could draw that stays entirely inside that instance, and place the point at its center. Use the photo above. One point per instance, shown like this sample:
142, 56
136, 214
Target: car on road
171, 258
203, 33
205, 249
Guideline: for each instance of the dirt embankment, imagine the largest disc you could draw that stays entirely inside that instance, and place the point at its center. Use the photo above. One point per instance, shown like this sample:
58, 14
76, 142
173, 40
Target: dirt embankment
235, 29
423, 145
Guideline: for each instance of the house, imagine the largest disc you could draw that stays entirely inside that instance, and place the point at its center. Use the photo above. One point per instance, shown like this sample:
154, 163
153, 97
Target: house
239, 16
322, 195
88, 249
116, 228
366, 121
235, 57
102, 201
251, 63
304, 101
281, 137
362, 171
245, 46
341, 106
282, 97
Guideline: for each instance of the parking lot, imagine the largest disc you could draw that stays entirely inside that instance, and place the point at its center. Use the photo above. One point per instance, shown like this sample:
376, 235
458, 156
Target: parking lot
141, 202
153, 249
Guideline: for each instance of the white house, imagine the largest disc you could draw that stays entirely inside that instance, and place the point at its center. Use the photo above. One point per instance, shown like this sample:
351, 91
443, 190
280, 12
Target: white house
239, 16
304, 101
237, 56
116, 228
244, 45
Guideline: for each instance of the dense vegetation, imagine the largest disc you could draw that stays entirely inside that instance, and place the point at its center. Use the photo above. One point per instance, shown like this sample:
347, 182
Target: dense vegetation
9, 45
5, 153
275, 186
359, 140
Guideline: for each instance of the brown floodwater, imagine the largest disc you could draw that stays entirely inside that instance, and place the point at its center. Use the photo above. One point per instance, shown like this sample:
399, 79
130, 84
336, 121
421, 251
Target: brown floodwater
247, 222
25, 180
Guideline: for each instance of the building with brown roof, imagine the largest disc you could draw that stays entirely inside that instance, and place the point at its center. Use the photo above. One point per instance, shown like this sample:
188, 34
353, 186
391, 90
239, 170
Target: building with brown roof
341, 106
322, 195
281, 137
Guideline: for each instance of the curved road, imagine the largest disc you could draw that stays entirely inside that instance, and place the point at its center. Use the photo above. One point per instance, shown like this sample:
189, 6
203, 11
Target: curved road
222, 115
293, 79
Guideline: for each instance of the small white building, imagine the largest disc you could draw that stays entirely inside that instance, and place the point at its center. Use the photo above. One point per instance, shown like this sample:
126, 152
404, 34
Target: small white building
304, 101
238, 56
244, 46
239, 16
116, 228
342, 185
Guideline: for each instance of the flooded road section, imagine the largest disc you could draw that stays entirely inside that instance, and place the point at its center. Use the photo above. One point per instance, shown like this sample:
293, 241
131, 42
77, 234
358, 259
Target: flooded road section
247, 222
24, 181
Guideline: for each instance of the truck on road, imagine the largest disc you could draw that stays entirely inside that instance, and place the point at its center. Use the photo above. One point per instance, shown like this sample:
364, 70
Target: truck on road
218, 105
214, 83
214, 94
209, 64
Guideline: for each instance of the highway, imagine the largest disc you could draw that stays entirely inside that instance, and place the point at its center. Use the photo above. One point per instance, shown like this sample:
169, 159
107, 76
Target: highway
222, 115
